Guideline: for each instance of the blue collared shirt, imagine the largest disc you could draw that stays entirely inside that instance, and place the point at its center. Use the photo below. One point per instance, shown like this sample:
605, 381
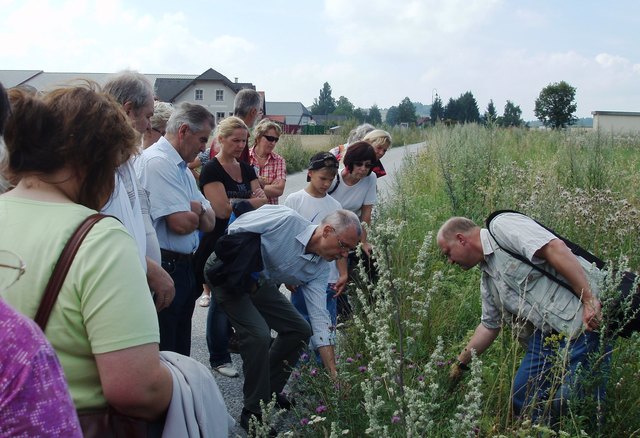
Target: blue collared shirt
284, 238
171, 187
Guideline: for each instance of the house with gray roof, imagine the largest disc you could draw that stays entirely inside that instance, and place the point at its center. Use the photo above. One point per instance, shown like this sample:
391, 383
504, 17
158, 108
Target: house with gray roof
211, 89
293, 115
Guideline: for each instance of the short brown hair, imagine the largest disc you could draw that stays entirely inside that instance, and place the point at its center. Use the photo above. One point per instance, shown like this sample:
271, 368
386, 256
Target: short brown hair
359, 151
80, 127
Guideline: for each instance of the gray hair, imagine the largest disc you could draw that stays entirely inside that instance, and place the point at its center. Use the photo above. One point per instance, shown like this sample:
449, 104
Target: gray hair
246, 100
161, 113
455, 225
130, 86
194, 116
359, 132
341, 220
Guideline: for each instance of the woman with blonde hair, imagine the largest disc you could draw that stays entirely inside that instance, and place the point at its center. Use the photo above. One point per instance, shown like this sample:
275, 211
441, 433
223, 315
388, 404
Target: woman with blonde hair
380, 140
226, 182
271, 167
63, 151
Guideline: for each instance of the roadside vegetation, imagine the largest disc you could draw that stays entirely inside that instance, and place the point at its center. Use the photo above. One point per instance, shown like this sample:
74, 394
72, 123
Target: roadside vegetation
394, 354
297, 149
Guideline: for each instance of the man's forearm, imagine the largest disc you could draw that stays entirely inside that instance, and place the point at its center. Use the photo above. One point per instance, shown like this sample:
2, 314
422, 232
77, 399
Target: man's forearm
482, 338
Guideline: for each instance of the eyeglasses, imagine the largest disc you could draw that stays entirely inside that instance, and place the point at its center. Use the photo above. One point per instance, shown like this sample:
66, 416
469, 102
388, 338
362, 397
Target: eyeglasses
362, 163
343, 246
271, 138
16, 268
158, 131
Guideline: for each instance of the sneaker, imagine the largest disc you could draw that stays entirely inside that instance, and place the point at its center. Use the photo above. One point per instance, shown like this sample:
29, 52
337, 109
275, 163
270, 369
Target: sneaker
204, 301
245, 419
227, 370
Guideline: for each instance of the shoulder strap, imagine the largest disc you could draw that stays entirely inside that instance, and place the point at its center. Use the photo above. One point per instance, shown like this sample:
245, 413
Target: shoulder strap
62, 268
524, 259
337, 184
574, 247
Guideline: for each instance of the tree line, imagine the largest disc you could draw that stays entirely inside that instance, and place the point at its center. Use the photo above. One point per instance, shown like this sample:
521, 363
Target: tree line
554, 107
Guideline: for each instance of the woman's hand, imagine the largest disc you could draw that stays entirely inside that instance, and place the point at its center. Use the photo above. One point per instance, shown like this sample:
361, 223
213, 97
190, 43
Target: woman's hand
258, 193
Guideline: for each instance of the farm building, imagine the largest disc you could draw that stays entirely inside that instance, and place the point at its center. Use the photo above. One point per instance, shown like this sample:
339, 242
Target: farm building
619, 122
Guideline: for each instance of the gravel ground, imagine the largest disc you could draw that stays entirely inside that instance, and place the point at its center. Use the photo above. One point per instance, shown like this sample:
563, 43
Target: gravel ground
231, 388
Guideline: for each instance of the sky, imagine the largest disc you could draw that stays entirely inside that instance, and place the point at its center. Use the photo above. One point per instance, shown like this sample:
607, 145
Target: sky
370, 51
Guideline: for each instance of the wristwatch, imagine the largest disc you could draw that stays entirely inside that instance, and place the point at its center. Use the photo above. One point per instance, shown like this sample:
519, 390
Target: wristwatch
204, 208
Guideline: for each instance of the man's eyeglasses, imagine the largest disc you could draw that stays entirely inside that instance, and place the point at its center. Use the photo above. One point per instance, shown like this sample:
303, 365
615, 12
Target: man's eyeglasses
362, 163
342, 245
15, 268
158, 131
271, 138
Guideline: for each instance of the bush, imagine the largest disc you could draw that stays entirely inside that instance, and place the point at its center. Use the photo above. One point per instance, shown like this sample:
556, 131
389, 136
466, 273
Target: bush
393, 356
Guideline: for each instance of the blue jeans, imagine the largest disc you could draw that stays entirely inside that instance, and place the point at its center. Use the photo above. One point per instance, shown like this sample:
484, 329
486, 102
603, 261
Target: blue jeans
538, 386
218, 332
297, 299
175, 320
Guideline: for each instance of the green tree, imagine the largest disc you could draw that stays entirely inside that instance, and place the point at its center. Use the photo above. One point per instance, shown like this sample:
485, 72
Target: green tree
344, 107
490, 115
451, 111
511, 115
324, 104
392, 116
360, 115
437, 110
556, 105
407, 112
375, 118
468, 111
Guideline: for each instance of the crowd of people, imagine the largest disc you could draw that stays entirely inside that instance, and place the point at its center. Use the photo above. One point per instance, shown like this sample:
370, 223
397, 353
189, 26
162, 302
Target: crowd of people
194, 215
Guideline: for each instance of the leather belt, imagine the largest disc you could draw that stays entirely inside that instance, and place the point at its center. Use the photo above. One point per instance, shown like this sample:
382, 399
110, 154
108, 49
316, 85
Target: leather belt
175, 256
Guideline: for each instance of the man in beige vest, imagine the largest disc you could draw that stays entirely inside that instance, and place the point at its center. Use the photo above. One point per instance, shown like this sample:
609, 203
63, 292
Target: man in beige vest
537, 306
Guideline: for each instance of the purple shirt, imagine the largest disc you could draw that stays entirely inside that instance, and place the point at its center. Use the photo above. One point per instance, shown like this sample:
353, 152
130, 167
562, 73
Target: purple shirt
34, 398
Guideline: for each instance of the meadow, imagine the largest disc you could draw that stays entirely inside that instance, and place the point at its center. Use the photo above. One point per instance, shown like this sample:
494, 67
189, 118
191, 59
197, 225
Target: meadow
394, 354
297, 149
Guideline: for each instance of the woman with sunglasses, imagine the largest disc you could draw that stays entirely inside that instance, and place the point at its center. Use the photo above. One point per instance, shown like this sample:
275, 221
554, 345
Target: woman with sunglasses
270, 167
355, 190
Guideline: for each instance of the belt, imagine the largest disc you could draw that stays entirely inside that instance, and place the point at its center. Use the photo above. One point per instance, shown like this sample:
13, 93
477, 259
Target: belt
176, 256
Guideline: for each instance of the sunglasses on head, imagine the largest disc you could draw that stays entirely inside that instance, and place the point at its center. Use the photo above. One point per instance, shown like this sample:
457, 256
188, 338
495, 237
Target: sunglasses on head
271, 138
362, 163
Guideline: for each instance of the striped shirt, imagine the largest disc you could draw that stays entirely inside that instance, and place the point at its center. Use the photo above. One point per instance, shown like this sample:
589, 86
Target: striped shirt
284, 239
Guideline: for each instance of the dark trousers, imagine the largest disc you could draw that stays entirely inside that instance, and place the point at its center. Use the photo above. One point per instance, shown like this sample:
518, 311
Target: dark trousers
266, 365
175, 320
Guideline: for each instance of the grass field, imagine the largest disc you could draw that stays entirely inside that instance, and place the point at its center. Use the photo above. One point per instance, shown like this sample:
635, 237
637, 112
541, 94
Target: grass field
394, 355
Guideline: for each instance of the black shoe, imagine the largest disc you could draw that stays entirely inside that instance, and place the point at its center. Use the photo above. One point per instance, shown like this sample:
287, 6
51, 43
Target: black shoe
283, 402
234, 343
245, 419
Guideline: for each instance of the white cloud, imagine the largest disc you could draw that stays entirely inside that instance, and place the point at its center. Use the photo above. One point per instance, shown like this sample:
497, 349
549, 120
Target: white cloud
407, 26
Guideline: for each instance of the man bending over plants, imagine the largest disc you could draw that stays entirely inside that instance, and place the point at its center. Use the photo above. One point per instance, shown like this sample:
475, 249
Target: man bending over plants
558, 325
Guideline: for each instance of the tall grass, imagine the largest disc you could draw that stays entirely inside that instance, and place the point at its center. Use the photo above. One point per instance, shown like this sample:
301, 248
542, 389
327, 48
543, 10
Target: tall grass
393, 356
